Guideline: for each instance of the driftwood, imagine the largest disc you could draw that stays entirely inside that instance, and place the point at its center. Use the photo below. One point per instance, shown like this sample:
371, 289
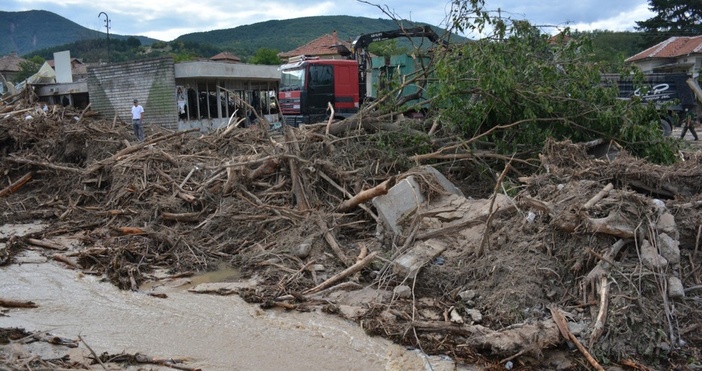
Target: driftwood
565, 331
46, 244
515, 339
131, 149
181, 217
9, 303
12, 188
604, 192
599, 327
66, 260
343, 274
331, 240
367, 195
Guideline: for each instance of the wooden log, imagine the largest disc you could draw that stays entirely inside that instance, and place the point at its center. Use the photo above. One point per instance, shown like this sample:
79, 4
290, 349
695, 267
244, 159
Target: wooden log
367, 195
168, 362
133, 148
331, 240
9, 303
131, 230
268, 167
181, 217
46, 244
599, 327
16, 185
66, 260
600, 195
563, 328
83, 113
43, 164
343, 274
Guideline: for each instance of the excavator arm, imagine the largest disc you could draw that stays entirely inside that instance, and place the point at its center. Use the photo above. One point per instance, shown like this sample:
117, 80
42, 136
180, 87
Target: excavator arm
362, 42
360, 45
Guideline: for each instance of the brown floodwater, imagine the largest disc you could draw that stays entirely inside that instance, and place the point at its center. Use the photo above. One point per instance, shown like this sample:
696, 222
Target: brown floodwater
214, 332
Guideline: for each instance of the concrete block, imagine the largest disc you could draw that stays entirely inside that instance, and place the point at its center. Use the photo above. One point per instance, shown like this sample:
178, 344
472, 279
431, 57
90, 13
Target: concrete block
401, 200
406, 196
420, 254
445, 184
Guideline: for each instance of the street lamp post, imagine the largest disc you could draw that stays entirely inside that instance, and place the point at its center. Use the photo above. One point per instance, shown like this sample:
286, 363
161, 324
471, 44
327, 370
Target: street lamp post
107, 26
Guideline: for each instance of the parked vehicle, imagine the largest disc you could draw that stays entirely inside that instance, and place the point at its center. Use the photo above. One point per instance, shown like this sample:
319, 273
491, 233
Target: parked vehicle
672, 93
309, 84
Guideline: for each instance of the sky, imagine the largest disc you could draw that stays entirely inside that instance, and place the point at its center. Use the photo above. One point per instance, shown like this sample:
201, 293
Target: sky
172, 18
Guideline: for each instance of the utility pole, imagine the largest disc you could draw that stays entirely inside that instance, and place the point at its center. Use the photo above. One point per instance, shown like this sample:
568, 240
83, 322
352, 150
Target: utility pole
107, 26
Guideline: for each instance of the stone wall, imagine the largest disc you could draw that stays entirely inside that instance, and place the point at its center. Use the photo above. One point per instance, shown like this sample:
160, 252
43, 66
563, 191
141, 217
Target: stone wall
113, 88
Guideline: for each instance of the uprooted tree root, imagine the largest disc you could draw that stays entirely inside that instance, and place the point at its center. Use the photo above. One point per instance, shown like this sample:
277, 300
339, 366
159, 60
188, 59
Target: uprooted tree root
271, 203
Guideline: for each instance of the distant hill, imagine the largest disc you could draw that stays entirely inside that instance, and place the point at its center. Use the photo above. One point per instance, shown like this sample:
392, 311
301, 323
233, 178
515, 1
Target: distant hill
27, 31
286, 35
42, 32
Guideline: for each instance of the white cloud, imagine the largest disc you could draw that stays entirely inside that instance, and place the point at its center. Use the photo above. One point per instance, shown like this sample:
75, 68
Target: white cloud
168, 20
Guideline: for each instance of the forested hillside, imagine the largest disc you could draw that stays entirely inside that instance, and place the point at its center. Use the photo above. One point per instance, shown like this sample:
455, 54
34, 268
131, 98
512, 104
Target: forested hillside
288, 34
24, 32
41, 33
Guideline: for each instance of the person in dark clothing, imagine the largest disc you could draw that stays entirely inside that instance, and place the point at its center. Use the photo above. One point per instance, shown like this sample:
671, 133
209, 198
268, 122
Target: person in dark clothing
689, 124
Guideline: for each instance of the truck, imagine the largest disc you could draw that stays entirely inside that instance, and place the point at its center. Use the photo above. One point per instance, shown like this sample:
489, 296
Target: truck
309, 85
673, 93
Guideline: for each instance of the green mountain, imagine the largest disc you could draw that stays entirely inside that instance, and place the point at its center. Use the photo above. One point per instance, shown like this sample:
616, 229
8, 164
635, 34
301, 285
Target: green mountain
32, 30
286, 35
42, 33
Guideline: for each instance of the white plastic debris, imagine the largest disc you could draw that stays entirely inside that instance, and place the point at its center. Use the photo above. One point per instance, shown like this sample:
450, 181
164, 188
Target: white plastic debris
531, 217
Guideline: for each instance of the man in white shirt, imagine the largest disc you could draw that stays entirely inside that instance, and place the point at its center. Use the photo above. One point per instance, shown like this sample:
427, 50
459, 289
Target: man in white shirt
137, 114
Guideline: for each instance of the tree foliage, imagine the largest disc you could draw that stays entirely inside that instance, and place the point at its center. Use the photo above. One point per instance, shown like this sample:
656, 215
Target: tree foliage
265, 56
517, 87
29, 67
673, 18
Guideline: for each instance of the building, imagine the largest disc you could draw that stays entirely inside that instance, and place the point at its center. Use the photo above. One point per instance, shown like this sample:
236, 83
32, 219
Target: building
226, 57
202, 94
677, 54
69, 85
10, 66
325, 47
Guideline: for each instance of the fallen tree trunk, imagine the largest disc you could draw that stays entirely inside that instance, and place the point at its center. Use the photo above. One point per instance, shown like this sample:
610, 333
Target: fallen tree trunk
12, 188
9, 303
367, 195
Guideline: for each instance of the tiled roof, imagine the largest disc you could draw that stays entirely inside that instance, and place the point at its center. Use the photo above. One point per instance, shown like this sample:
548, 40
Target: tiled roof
225, 57
321, 46
672, 48
74, 62
11, 63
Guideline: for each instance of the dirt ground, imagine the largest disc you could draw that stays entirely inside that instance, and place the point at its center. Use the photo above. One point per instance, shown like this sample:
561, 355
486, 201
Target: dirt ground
593, 253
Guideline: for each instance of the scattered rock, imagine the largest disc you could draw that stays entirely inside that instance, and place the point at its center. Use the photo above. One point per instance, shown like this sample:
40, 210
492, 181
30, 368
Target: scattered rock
669, 248
666, 224
403, 291
650, 257
675, 288
475, 315
467, 295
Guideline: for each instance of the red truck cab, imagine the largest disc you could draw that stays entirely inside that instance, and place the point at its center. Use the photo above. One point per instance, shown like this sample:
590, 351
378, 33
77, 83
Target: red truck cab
309, 85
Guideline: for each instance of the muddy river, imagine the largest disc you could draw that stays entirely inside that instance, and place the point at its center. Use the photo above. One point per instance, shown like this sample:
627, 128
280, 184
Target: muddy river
214, 332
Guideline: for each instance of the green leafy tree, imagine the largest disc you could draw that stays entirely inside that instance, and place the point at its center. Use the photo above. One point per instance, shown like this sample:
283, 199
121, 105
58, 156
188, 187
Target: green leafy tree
514, 89
387, 48
265, 56
673, 18
133, 42
29, 67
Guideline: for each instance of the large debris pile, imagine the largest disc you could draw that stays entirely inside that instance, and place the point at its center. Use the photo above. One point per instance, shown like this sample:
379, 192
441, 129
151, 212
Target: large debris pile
599, 252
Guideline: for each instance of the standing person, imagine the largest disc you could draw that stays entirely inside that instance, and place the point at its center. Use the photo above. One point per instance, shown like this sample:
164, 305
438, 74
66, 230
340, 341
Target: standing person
137, 115
689, 124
